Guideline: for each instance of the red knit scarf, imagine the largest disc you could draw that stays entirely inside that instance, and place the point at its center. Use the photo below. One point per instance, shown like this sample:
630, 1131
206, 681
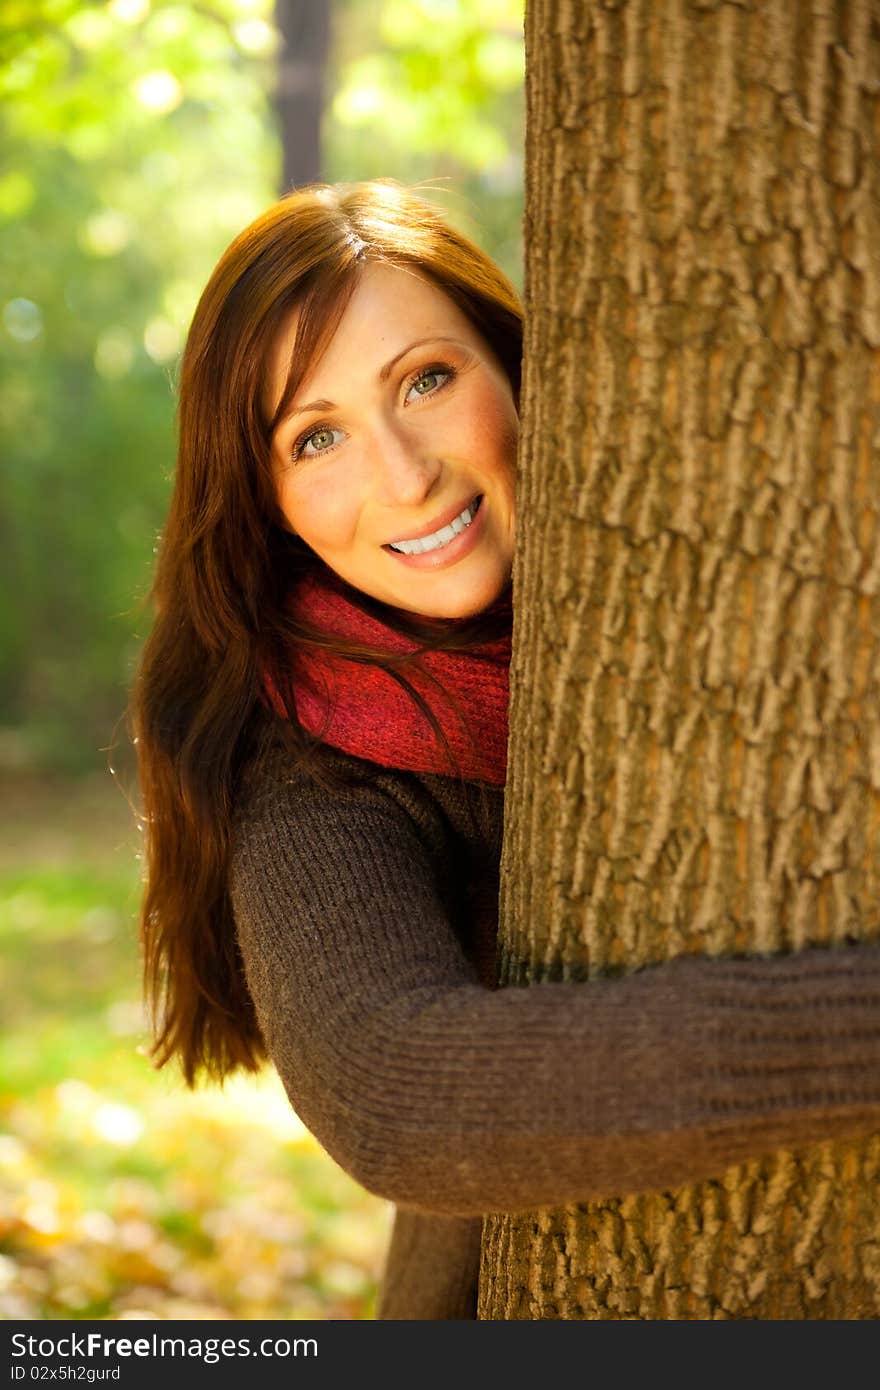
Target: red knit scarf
361, 709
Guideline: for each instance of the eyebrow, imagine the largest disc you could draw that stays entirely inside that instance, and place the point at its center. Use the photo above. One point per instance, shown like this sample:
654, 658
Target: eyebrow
383, 375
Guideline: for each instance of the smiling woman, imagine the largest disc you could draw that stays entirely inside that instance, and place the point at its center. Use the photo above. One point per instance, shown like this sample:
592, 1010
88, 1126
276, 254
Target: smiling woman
321, 722
405, 485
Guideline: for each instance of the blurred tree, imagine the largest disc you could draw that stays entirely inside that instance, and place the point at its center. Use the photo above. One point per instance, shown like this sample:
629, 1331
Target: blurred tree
137, 137
695, 700
304, 27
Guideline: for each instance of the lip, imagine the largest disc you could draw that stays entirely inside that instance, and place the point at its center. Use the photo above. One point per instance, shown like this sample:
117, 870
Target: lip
438, 523
447, 554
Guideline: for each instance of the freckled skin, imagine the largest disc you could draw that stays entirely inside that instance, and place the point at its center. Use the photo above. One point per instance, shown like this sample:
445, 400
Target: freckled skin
400, 456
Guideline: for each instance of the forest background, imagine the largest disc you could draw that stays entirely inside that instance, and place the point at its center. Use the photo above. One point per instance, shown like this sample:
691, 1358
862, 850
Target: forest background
137, 137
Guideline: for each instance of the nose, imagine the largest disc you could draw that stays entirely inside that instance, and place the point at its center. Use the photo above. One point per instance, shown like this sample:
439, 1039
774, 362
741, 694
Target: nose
405, 469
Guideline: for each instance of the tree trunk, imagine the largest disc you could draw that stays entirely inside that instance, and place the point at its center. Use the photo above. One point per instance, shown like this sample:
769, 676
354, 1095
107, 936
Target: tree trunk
304, 26
695, 699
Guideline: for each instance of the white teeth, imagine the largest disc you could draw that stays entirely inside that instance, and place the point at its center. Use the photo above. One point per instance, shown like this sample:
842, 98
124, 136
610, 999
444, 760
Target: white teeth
439, 538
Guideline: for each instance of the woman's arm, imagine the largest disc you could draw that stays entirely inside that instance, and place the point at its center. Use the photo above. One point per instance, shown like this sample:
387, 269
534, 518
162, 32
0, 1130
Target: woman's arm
441, 1095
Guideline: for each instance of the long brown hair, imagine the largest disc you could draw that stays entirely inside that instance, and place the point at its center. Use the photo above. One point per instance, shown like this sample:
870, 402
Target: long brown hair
225, 566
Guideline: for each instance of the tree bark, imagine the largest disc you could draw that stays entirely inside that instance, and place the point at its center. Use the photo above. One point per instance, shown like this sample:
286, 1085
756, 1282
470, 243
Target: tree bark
304, 26
695, 684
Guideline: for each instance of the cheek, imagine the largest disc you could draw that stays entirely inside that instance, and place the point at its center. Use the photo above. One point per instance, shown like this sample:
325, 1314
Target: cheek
499, 431
321, 509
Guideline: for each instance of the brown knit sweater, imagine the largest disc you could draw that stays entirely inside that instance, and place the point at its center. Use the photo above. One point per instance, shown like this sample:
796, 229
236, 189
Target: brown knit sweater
366, 921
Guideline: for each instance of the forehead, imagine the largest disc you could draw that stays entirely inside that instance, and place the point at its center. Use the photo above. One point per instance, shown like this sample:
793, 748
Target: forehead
392, 291
390, 305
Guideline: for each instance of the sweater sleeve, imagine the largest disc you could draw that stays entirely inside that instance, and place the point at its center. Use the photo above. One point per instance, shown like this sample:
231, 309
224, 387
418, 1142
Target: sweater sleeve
441, 1095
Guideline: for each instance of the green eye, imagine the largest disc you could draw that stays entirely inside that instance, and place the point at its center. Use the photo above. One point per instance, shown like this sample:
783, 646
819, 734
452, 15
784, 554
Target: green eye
319, 441
431, 379
315, 439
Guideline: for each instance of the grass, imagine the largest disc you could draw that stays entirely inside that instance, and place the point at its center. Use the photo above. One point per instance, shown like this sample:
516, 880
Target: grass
122, 1193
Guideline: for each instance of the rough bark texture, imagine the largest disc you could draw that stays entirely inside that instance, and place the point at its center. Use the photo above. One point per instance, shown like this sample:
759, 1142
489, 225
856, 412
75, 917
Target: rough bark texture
304, 26
695, 707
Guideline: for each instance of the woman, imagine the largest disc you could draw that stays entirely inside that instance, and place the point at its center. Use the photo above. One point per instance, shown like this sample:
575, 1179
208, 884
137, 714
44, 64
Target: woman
321, 723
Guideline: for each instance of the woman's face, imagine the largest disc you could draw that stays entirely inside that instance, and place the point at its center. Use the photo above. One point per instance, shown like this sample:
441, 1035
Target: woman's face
402, 424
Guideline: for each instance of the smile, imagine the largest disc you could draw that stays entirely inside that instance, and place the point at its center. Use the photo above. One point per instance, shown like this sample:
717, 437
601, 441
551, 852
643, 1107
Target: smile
442, 537
444, 547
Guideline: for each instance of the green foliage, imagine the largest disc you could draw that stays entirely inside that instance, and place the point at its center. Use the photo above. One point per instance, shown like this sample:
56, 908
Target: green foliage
433, 90
137, 137
134, 149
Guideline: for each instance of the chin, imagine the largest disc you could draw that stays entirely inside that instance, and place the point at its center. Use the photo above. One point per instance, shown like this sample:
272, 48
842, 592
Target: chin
464, 605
